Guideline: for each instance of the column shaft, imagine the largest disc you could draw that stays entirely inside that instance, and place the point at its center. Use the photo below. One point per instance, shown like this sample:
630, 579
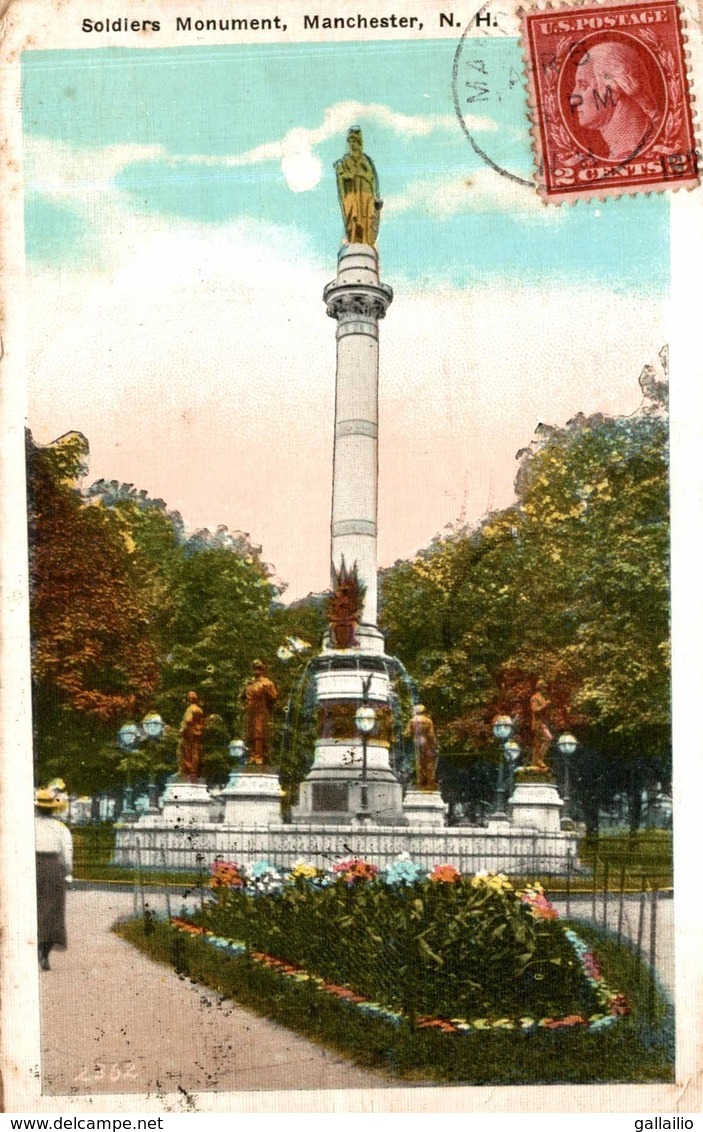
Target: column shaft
357, 300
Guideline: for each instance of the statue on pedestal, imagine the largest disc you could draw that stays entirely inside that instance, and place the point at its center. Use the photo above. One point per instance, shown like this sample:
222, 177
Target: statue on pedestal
421, 729
190, 748
358, 191
541, 735
260, 695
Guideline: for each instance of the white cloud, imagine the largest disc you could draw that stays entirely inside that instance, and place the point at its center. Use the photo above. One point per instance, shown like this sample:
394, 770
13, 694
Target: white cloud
339, 117
302, 170
203, 370
57, 169
481, 190
295, 151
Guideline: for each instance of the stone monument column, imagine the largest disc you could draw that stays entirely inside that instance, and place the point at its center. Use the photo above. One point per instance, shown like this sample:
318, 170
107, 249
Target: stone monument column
351, 780
357, 300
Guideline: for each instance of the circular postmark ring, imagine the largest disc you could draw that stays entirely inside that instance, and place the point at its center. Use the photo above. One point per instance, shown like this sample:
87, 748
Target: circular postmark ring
515, 177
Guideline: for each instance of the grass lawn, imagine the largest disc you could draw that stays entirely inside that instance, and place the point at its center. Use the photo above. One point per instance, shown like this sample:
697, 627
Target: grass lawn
93, 847
638, 1049
629, 859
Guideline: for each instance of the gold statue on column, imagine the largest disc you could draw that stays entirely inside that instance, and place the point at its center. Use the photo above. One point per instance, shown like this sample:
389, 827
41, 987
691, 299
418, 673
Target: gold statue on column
357, 187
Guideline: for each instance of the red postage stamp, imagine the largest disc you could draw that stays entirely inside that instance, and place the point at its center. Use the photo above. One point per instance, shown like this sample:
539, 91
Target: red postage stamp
610, 99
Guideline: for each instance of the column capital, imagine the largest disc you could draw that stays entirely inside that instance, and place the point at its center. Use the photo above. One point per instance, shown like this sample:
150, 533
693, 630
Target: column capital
357, 300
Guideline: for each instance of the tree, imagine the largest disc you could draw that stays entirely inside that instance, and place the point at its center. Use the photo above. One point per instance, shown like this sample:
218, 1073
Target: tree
570, 584
93, 660
219, 622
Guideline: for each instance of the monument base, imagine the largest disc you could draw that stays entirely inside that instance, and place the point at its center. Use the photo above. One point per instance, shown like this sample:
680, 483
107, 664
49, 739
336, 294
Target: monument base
186, 803
252, 798
333, 796
536, 805
424, 808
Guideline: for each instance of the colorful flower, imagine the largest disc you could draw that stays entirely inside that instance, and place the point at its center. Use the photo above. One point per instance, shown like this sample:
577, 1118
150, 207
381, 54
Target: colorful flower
264, 879
355, 870
537, 902
619, 1006
445, 874
591, 965
226, 874
303, 869
602, 1022
403, 871
563, 1023
497, 882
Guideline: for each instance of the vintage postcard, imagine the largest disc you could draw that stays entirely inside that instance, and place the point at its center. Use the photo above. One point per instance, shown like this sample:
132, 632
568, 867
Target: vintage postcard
351, 491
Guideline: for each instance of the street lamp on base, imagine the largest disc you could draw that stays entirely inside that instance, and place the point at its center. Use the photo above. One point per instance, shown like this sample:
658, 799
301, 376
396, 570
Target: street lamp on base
502, 730
129, 738
365, 720
153, 727
567, 744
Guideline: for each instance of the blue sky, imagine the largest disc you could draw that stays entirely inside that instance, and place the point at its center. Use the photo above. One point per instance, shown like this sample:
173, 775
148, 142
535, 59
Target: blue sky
219, 103
182, 221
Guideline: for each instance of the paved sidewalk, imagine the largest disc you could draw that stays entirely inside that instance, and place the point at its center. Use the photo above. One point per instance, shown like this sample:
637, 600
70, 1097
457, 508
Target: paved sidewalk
582, 909
113, 1021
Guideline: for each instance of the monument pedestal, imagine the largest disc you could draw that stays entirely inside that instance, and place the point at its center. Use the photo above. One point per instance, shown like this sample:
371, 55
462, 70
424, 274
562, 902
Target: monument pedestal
536, 805
348, 766
424, 807
332, 795
252, 799
186, 803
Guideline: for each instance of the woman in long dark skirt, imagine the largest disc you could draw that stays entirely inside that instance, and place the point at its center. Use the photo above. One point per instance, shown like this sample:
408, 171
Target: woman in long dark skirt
54, 849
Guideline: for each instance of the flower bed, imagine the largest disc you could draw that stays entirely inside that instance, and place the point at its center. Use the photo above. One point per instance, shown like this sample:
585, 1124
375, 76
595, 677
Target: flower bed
459, 954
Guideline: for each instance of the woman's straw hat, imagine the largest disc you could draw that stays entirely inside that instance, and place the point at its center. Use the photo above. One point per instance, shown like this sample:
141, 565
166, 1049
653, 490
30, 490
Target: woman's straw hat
47, 800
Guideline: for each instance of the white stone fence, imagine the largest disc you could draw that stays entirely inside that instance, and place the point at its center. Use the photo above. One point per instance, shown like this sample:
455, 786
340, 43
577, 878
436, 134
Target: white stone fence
519, 852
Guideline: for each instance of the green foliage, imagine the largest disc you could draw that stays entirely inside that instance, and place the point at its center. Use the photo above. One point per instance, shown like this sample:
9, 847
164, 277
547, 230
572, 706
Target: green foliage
128, 615
219, 623
632, 1051
570, 584
441, 949
642, 860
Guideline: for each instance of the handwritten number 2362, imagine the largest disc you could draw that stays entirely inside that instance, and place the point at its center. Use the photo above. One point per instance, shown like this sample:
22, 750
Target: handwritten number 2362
99, 1071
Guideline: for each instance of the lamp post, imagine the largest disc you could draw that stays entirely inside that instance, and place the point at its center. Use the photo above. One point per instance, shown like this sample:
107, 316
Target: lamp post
365, 720
237, 751
502, 730
153, 728
238, 754
512, 751
567, 744
129, 737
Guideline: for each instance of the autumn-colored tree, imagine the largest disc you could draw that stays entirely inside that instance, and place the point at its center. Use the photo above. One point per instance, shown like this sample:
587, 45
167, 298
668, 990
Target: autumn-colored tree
94, 663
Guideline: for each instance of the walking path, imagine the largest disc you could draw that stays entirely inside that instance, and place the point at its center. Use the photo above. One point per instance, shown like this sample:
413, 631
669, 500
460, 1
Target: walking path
113, 1021
609, 915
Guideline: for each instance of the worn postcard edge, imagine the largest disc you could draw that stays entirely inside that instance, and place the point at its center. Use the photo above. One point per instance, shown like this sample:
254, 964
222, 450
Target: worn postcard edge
31, 25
